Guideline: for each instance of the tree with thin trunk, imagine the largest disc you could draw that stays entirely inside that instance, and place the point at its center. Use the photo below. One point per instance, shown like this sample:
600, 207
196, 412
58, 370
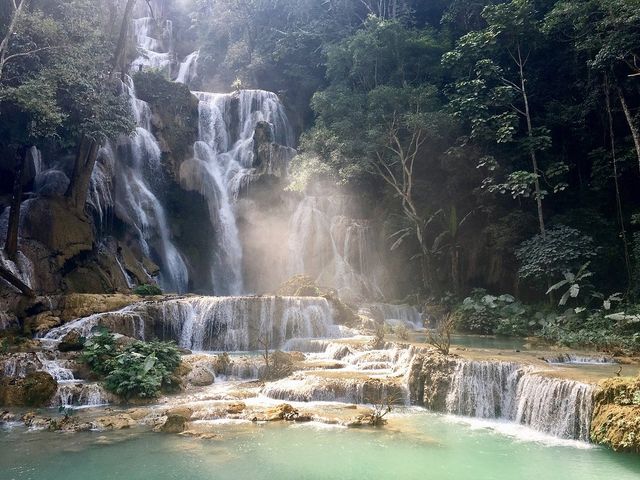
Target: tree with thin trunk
118, 63
17, 9
614, 161
632, 122
84, 163
494, 97
396, 162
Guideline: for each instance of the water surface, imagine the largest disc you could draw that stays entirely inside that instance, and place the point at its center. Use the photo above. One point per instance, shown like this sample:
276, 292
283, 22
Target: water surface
416, 446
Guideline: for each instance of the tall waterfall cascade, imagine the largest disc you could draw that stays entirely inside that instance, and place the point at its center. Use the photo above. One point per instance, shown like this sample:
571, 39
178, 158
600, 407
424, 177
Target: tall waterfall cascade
329, 244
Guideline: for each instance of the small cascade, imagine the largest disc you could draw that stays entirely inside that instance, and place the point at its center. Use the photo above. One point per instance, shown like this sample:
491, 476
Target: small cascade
561, 408
154, 41
127, 321
394, 315
19, 365
508, 391
319, 387
216, 323
244, 323
578, 359
55, 367
21, 268
483, 389
334, 248
79, 394
188, 69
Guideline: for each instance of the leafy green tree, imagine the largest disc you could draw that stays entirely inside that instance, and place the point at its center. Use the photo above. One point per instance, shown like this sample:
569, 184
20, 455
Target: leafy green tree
494, 96
562, 249
606, 31
54, 89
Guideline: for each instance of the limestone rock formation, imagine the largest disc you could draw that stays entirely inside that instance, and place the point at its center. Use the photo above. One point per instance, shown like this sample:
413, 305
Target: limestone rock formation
34, 390
616, 416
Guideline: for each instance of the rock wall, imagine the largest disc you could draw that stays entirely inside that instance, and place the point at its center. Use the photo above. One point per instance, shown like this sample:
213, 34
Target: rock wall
616, 416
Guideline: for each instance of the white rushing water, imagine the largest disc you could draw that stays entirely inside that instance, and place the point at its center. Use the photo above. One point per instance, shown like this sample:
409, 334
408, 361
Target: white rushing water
394, 315
216, 323
188, 70
509, 391
334, 248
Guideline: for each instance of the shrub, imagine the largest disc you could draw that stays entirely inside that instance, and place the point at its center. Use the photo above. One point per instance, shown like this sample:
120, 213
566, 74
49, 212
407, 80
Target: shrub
99, 350
488, 314
596, 330
147, 290
562, 249
140, 369
402, 332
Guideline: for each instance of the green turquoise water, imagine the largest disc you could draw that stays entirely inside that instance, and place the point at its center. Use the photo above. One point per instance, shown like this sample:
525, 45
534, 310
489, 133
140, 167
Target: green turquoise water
416, 446
484, 341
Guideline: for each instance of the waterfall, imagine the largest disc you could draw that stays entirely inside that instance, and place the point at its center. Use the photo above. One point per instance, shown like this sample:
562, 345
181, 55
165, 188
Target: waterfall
223, 165
243, 323
216, 323
334, 248
80, 395
406, 315
55, 367
136, 202
509, 391
188, 69
22, 268
153, 54
580, 359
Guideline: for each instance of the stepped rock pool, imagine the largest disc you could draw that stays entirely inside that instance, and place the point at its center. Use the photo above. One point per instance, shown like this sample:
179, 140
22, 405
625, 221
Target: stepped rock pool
414, 445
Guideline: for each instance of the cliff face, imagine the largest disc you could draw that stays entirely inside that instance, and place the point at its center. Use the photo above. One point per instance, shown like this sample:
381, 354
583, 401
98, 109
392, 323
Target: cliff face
96, 251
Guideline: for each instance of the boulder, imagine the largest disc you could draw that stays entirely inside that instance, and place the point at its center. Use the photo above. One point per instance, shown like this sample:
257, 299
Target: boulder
114, 422
64, 231
180, 411
200, 376
72, 341
284, 411
36, 389
174, 424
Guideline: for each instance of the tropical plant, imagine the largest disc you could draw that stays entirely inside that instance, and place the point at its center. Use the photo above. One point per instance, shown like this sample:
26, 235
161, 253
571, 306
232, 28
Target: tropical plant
560, 250
99, 350
142, 369
483, 313
574, 283
139, 369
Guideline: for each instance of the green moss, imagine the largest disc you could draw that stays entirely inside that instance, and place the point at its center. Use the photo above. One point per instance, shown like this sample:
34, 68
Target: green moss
147, 290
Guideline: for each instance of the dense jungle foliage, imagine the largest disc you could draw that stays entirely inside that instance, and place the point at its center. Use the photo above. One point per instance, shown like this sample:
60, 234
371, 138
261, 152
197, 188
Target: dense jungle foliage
499, 140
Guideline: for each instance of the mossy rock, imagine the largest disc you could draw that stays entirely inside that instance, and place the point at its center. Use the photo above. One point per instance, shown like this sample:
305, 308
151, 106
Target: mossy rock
305, 286
175, 119
35, 390
300, 286
616, 415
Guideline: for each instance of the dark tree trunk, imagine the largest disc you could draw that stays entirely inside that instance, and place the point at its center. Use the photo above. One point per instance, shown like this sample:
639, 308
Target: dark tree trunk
119, 55
82, 169
16, 282
11, 244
